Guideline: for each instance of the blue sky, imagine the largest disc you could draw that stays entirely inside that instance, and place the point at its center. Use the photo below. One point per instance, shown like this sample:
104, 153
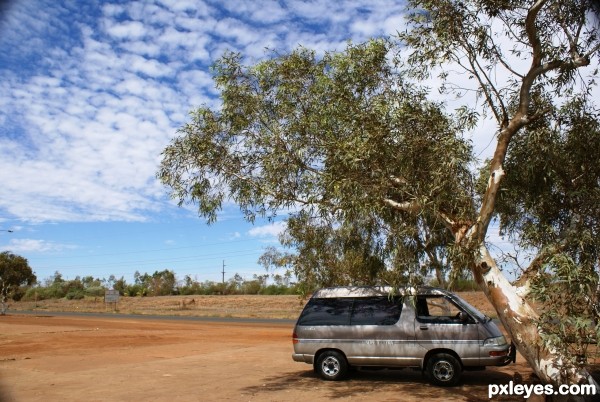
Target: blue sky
90, 94
92, 91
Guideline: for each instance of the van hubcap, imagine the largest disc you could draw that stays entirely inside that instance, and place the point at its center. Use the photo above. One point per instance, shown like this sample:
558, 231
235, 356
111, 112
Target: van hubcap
331, 366
443, 370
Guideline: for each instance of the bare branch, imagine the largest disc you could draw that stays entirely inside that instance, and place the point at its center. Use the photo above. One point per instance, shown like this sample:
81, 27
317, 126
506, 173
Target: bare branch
504, 62
407, 206
532, 33
570, 38
399, 181
482, 85
589, 54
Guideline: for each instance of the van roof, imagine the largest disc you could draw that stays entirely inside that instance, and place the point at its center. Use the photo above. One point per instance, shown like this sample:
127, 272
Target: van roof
370, 291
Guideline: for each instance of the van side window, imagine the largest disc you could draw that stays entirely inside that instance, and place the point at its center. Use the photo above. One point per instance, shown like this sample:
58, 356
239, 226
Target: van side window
437, 309
376, 311
326, 311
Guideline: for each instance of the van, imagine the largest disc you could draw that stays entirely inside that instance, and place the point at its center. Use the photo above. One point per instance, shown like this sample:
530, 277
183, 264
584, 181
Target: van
428, 328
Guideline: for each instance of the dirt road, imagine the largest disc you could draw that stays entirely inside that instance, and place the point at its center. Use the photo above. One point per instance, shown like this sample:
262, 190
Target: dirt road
51, 358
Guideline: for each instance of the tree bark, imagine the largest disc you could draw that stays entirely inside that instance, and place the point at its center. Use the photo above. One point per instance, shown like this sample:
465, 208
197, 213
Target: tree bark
521, 322
3, 305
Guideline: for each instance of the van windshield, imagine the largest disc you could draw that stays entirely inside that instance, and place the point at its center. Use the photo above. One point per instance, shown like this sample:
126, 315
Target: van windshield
470, 309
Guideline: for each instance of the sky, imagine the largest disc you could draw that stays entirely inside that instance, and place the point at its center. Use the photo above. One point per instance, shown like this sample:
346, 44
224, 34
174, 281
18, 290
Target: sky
92, 91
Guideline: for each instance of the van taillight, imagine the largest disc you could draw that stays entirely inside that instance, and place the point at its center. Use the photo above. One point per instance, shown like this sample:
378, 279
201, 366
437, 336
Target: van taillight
294, 338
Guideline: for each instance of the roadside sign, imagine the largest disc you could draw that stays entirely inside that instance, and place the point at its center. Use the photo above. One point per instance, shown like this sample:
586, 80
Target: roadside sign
111, 296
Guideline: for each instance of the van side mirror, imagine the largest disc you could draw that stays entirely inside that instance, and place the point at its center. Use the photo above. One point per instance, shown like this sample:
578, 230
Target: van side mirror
463, 317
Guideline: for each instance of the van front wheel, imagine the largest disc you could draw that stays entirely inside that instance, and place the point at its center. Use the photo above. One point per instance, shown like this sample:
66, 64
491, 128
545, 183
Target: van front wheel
331, 365
443, 369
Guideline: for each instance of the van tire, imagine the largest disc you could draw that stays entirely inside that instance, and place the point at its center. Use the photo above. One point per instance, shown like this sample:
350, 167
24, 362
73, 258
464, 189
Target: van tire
331, 365
443, 369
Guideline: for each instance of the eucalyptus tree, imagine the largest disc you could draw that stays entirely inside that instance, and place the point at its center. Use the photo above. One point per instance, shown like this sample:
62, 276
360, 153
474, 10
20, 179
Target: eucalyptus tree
524, 58
321, 252
14, 272
334, 138
325, 253
361, 153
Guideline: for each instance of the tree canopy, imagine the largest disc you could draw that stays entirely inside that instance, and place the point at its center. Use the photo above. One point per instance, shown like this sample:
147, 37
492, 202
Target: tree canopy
342, 138
14, 272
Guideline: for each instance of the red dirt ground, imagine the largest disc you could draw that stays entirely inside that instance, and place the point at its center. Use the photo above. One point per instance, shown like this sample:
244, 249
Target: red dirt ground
110, 359
55, 358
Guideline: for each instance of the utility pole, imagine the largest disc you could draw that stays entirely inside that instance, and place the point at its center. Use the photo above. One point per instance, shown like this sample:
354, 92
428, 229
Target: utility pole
223, 271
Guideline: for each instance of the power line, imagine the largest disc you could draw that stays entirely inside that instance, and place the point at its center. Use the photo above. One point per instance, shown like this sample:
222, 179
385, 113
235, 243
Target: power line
218, 255
148, 250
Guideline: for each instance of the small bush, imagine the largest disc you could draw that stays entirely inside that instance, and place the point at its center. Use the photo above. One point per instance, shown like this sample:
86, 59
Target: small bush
51, 292
18, 294
75, 294
95, 291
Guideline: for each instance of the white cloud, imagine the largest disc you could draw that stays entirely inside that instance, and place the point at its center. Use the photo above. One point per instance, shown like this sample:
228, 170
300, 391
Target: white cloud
33, 245
270, 230
87, 107
126, 30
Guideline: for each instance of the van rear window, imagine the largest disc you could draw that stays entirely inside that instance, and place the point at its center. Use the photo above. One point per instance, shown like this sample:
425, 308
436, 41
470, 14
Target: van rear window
327, 311
352, 311
376, 311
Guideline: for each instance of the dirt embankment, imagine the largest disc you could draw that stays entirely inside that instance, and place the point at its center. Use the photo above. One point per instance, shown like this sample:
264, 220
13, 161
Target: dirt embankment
247, 306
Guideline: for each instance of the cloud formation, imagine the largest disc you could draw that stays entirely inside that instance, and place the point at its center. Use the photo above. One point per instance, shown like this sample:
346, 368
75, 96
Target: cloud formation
35, 245
92, 92
270, 230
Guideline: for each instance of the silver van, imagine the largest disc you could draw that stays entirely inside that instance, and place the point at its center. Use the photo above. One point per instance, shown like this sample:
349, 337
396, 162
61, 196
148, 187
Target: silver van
427, 328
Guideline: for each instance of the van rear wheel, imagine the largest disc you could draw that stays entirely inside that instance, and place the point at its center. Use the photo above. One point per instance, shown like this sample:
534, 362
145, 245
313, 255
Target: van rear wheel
443, 369
331, 365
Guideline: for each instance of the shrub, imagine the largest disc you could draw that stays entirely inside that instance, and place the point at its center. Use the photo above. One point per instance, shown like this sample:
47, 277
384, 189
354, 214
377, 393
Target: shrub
75, 294
96, 291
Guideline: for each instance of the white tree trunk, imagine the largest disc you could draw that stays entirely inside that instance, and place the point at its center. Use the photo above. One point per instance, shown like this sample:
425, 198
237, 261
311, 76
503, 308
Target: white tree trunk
3, 305
520, 320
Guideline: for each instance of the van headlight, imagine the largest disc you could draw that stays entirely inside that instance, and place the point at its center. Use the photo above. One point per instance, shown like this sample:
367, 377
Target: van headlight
497, 341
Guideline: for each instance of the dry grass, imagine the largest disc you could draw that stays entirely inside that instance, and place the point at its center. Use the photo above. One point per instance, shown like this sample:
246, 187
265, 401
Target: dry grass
247, 306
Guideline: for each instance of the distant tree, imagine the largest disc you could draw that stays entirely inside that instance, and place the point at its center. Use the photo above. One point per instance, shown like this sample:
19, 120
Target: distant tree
110, 282
252, 287
73, 289
162, 283
90, 281
188, 281
190, 286
120, 285
14, 272
55, 279
236, 281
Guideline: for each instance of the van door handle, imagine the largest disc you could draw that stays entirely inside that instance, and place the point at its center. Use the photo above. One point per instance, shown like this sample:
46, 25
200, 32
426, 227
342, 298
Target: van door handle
424, 327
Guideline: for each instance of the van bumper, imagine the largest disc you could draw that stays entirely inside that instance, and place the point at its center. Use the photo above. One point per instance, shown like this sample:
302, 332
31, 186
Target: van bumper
512, 355
500, 357
301, 357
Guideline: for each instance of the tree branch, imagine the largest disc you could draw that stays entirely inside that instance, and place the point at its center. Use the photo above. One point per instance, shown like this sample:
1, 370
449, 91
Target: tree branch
412, 207
532, 33
398, 181
502, 61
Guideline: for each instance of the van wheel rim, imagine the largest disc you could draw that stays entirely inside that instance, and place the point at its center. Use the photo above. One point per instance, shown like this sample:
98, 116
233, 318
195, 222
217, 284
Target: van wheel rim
443, 370
331, 366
